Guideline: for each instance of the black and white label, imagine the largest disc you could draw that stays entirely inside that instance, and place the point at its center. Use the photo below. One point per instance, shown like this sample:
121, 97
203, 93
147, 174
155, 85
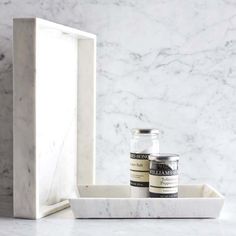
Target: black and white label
139, 170
163, 181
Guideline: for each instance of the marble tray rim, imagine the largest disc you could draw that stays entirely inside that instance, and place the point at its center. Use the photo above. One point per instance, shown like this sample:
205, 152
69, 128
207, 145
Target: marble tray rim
218, 194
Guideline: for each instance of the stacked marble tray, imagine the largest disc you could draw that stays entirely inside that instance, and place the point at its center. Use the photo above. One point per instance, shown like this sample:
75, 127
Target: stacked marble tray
100, 201
54, 70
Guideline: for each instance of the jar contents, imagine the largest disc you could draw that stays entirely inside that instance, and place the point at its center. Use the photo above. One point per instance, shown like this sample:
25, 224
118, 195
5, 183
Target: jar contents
143, 142
163, 175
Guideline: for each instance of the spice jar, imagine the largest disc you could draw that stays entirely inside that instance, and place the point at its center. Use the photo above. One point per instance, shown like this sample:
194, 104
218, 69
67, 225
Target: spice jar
143, 142
163, 175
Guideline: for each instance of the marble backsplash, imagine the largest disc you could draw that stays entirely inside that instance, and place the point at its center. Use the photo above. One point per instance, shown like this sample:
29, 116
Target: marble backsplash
164, 64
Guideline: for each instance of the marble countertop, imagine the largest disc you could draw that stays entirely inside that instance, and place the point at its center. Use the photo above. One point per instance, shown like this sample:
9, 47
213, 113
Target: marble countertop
63, 223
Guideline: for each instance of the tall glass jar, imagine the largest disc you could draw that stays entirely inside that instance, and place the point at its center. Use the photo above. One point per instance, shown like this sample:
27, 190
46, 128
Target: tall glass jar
143, 143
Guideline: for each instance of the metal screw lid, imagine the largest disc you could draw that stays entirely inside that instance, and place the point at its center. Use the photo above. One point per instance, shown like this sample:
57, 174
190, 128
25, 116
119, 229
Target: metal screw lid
145, 131
160, 157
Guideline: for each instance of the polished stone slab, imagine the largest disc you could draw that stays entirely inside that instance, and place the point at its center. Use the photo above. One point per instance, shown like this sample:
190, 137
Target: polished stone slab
54, 115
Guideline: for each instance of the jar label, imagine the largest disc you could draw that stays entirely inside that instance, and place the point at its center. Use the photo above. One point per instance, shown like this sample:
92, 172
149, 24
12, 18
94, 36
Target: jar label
163, 180
139, 170
164, 170
163, 186
163, 190
139, 165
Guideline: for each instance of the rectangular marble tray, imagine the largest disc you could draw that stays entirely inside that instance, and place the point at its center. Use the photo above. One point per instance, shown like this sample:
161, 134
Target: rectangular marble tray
104, 201
54, 83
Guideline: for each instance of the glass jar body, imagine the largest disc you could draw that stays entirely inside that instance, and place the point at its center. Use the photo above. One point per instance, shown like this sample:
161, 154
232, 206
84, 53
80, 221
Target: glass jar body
142, 145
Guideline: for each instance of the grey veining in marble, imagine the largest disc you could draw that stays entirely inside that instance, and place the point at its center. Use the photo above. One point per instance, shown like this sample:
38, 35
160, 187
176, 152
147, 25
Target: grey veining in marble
165, 64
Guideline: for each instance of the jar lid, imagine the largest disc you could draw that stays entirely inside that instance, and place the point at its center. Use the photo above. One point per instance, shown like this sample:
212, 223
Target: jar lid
163, 157
145, 131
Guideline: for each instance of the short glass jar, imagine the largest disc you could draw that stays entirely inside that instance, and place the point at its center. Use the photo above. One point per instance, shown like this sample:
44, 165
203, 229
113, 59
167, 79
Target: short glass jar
143, 143
163, 175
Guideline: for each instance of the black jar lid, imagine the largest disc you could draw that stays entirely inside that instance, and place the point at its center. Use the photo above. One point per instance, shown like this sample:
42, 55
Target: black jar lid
160, 157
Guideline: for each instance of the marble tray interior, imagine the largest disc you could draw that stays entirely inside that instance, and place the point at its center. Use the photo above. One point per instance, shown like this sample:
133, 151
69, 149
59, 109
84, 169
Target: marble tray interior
122, 191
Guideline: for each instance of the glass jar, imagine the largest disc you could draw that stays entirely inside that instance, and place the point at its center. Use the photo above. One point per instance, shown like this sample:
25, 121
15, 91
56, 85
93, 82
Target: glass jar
163, 175
143, 143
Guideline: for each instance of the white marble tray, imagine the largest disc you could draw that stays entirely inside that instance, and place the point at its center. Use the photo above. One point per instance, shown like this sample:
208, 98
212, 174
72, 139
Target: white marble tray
100, 201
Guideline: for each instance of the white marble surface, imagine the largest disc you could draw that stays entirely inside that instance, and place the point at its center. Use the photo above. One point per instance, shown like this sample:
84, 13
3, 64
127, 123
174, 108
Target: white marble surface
49, 62
165, 64
113, 201
63, 223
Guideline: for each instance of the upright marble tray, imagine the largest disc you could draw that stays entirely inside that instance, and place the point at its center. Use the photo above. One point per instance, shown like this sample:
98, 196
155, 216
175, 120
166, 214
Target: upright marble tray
53, 115
195, 201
